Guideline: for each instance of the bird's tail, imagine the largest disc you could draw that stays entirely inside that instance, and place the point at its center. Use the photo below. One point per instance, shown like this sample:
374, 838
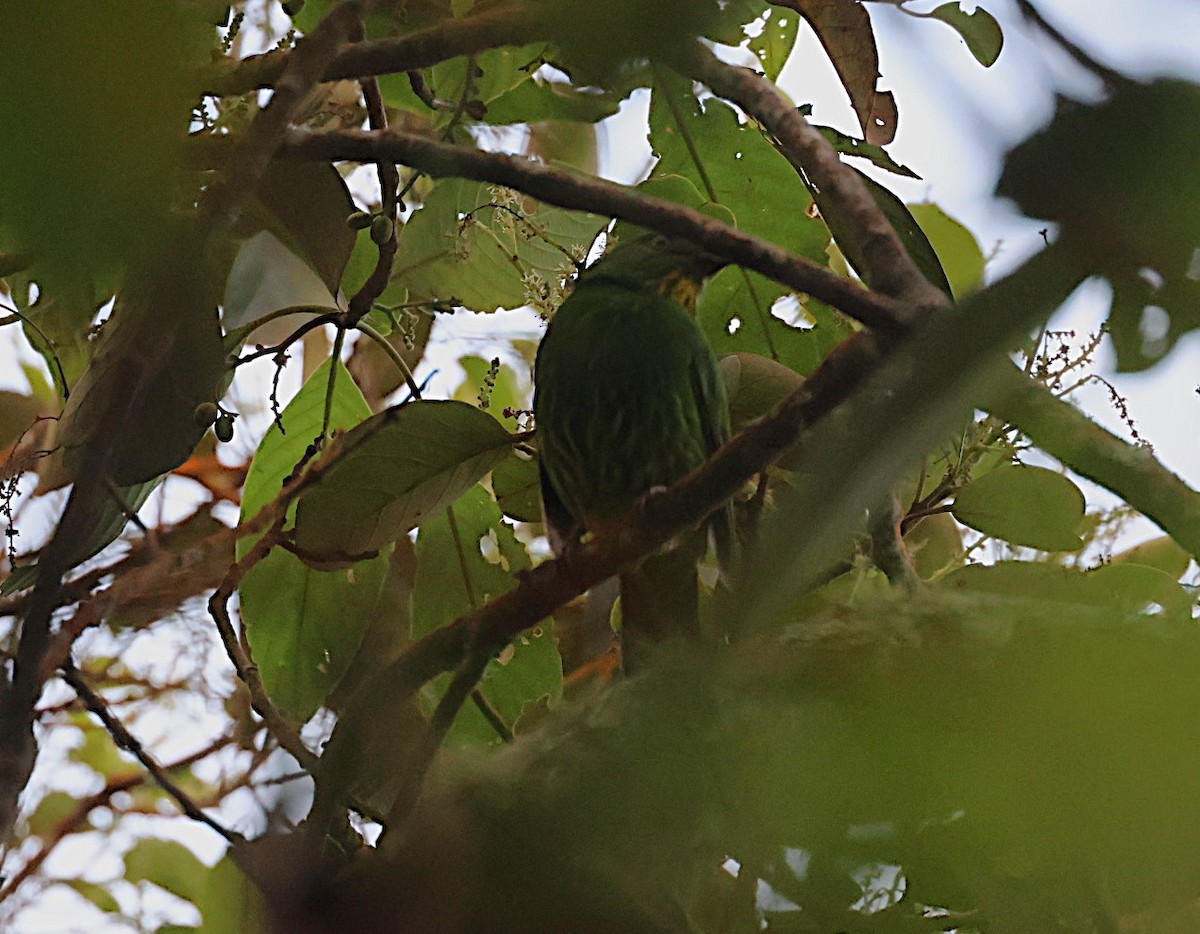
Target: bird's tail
659, 599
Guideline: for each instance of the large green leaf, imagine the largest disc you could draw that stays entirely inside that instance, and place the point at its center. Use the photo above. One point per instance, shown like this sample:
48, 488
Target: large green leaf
402, 465
1024, 505
733, 164
467, 556
774, 44
476, 266
304, 625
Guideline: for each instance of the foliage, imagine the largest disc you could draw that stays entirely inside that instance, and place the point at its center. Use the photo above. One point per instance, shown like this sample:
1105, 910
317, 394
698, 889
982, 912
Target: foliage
938, 699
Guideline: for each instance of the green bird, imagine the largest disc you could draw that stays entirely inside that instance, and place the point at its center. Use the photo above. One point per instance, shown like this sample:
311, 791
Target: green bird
627, 398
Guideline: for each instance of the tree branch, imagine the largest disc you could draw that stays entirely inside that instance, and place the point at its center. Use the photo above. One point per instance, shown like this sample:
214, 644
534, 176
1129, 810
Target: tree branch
130, 743
1132, 472
889, 269
585, 193
505, 25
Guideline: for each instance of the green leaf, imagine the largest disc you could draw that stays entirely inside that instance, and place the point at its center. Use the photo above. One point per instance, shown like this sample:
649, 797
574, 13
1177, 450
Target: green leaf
1163, 553
979, 30
304, 625
1139, 590
505, 390
475, 266
911, 235
876, 155
401, 466
956, 248
754, 385
538, 100
735, 313
1030, 506
774, 44
167, 864
733, 164
98, 895
468, 556
485, 76
231, 902
518, 487
50, 812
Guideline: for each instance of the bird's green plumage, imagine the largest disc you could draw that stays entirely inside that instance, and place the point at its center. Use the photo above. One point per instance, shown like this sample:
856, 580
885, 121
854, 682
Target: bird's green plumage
628, 397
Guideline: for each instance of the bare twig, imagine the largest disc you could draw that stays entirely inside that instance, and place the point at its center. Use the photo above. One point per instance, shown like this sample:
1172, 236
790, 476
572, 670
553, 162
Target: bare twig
1112, 79
130, 743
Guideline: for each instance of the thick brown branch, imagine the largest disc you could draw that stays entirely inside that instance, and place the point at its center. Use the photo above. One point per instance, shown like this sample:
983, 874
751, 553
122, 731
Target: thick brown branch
585, 193
452, 38
888, 266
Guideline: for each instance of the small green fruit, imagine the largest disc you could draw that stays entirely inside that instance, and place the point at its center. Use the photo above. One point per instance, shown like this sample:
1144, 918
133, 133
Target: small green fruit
206, 413
224, 428
359, 220
382, 229
293, 7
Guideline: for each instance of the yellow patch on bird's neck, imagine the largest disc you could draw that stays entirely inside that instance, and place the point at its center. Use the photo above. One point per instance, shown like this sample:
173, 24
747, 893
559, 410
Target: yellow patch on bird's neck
680, 288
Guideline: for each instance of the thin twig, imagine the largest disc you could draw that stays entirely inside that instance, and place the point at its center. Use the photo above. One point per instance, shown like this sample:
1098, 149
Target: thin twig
1112, 79
127, 741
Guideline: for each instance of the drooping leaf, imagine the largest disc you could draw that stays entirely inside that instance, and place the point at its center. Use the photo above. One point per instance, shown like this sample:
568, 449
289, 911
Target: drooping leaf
920, 250
164, 329
774, 44
1024, 505
877, 155
305, 205
979, 30
518, 488
848, 38
401, 466
957, 250
304, 625
266, 277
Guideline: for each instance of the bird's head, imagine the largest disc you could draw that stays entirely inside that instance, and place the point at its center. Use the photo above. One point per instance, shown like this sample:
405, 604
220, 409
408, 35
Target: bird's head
671, 265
